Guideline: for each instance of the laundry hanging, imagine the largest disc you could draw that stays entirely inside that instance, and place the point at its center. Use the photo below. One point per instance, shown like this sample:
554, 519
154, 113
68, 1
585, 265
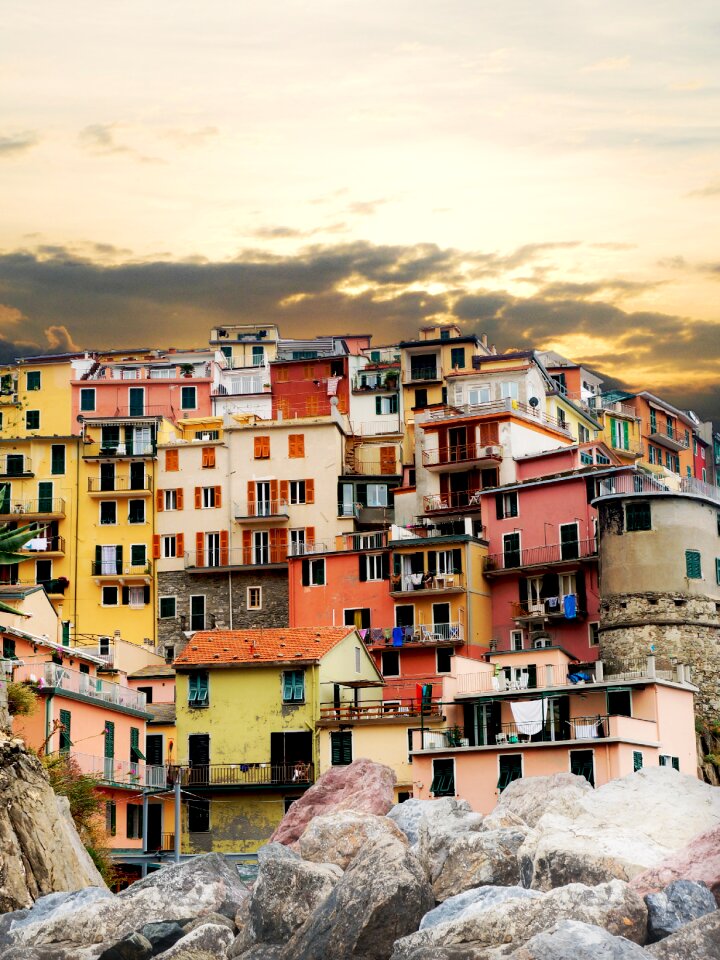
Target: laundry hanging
529, 716
332, 386
570, 606
397, 636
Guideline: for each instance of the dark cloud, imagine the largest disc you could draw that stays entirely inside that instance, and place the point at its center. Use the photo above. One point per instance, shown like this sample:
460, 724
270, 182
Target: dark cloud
581, 291
99, 138
20, 143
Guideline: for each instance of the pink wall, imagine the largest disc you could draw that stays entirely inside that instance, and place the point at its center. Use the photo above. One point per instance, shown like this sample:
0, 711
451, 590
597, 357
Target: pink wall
163, 688
324, 606
162, 397
534, 467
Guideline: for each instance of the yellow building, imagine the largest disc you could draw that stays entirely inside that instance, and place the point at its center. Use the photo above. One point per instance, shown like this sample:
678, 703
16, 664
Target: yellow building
248, 704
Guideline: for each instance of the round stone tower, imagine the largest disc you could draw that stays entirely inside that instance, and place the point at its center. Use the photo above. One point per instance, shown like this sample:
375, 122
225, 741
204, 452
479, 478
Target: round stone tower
659, 556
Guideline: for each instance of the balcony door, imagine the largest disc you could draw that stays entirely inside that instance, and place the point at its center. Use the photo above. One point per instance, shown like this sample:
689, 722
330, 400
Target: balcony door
263, 506
212, 549
511, 550
45, 496
154, 826
569, 545
457, 444
136, 401
199, 757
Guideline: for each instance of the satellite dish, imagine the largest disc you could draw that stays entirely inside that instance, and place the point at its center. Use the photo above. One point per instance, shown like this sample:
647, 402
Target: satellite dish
533, 401
80, 418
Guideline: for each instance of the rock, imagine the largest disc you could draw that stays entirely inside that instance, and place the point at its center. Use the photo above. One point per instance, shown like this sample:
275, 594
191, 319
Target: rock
40, 850
699, 940
699, 860
529, 798
339, 836
614, 906
678, 904
487, 857
621, 828
204, 885
133, 947
211, 939
362, 785
209, 918
409, 815
382, 896
574, 940
259, 951
58, 951
49, 907
287, 891
455, 907
163, 935
443, 821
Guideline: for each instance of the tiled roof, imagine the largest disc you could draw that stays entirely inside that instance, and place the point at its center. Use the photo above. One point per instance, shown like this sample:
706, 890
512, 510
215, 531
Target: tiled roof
161, 712
18, 590
155, 670
279, 645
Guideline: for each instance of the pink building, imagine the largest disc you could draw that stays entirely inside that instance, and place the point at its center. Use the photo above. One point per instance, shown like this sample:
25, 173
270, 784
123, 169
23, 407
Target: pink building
536, 713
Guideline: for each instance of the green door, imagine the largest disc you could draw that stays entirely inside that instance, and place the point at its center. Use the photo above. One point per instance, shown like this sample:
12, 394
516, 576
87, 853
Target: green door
136, 397
45, 497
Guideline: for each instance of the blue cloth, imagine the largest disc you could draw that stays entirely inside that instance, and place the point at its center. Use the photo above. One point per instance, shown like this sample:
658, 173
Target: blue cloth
397, 636
570, 606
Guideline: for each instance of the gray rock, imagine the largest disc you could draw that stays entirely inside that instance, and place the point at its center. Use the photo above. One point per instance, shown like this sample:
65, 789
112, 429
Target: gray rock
678, 904
338, 837
163, 934
530, 798
213, 939
409, 815
275, 851
49, 907
699, 940
382, 896
133, 947
259, 951
479, 898
442, 822
472, 859
209, 918
574, 940
58, 951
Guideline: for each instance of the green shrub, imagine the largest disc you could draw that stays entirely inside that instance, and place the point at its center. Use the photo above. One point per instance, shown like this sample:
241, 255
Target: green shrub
22, 699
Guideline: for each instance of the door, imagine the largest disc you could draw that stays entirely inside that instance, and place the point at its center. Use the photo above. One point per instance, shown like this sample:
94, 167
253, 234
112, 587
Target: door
569, 547
108, 561
212, 549
441, 620
457, 444
261, 547
199, 757
262, 499
136, 401
137, 476
107, 476
45, 497
288, 751
582, 764
154, 827
511, 550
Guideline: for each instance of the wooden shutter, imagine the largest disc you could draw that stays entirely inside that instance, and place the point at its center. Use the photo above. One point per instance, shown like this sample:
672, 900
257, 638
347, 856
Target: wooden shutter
693, 566
180, 498
626, 435
258, 447
134, 744
180, 545
98, 559
208, 457
118, 558
109, 739
65, 740
146, 594
310, 537
273, 496
387, 460
125, 596
198, 498
385, 566
284, 491
218, 497
251, 497
171, 460
247, 547
273, 545
306, 573
159, 500
309, 491
432, 562
224, 552
499, 511
199, 550
457, 560
362, 572
156, 547
282, 545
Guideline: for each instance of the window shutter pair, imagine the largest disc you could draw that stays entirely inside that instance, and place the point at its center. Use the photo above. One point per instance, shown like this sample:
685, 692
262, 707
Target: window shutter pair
262, 448
288, 686
125, 596
296, 445
65, 741
208, 457
693, 565
341, 748
499, 511
172, 460
309, 491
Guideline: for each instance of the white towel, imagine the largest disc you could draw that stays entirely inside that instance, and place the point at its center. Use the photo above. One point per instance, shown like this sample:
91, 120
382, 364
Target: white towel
529, 716
585, 731
332, 386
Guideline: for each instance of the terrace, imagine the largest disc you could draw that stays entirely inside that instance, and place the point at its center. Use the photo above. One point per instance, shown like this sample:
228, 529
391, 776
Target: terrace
354, 542
46, 508
517, 408
261, 510
45, 545
549, 555
136, 486
59, 678
15, 465
243, 774
421, 633
426, 584
644, 484
210, 561
121, 773
381, 710
463, 455
452, 502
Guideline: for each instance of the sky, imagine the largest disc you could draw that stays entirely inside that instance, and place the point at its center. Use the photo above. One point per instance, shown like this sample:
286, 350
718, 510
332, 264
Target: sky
543, 171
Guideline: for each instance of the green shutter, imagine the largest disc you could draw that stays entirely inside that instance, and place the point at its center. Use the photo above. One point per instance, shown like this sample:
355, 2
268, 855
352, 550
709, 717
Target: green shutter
378, 405
57, 459
341, 748
8, 649
135, 752
193, 688
66, 633
693, 565
111, 816
65, 741
288, 686
717, 569
675, 763
109, 739
637, 760
299, 685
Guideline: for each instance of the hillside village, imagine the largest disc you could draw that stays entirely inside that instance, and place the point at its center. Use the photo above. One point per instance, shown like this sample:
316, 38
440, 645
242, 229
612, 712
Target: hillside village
255, 561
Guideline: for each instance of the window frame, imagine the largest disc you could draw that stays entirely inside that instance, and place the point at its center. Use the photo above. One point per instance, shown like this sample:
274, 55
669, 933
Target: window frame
389, 654
170, 497
133, 505
105, 504
197, 596
251, 605
638, 516
293, 686
443, 784
184, 391
35, 384
88, 392
167, 616
35, 414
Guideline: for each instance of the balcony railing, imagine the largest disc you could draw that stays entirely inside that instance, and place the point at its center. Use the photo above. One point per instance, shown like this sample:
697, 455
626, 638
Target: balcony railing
15, 465
381, 710
516, 407
577, 728
420, 633
41, 544
414, 582
545, 607
366, 464
242, 774
460, 500
541, 556
98, 451
377, 428
240, 386
261, 509
380, 381
210, 560
126, 773
463, 453
120, 484
666, 434
623, 484
113, 568
62, 678
422, 374
55, 585
605, 405
44, 507
377, 540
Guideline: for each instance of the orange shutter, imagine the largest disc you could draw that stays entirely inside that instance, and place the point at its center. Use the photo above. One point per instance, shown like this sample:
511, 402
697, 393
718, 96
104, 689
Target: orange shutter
180, 498
284, 491
296, 445
282, 545
180, 545
251, 498
273, 545
309, 491
247, 547
387, 459
208, 456
282, 374
283, 407
199, 550
310, 536
171, 460
274, 494
224, 552
156, 547
218, 496
258, 447
198, 498
159, 500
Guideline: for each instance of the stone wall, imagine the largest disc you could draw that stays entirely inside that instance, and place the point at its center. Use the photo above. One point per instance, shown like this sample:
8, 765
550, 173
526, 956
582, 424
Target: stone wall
677, 625
217, 589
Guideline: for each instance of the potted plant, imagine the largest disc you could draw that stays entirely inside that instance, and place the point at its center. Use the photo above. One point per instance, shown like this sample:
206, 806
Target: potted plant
453, 735
187, 369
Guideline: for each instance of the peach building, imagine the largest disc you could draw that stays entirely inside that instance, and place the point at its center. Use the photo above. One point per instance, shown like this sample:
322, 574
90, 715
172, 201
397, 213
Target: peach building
535, 713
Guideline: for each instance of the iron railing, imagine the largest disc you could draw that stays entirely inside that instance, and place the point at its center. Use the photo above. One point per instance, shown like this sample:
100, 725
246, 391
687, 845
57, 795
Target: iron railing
548, 730
542, 556
127, 773
412, 582
242, 774
381, 709
120, 484
62, 678
115, 568
262, 509
236, 557
419, 633
460, 500
648, 485
462, 453
44, 507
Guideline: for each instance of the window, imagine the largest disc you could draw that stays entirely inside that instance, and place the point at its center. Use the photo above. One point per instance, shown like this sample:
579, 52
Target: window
198, 815
506, 505
374, 566
509, 390
637, 516
87, 399
443, 657
296, 445
32, 419
421, 399
262, 448
358, 617
637, 760
297, 542
254, 598
693, 565
198, 689
108, 512
385, 405
208, 498
43, 571
357, 659
208, 458
57, 459
594, 634
443, 781
516, 640
668, 761
170, 499
197, 612
172, 460
65, 741
293, 686
619, 703
188, 398
8, 649
510, 768
582, 764
583, 434
297, 491
457, 358
169, 547
390, 663
313, 573
138, 555
136, 511
479, 395
135, 597
32, 380
109, 596
341, 748
134, 821
168, 608
110, 817
377, 495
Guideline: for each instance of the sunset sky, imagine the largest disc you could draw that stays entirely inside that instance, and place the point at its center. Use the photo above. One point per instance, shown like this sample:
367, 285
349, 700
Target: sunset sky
546, 171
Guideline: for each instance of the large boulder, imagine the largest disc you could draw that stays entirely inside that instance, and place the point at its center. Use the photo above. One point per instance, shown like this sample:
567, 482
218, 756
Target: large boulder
699, 940
487, 857
574, 940
529, 798
383, 895
410, 814
619, 829
211, 940
479, 898
132, 947
698, 860
50, 907
614, 906
441, 824
200, 886
362, 785
339, 836
40, 850
678, 904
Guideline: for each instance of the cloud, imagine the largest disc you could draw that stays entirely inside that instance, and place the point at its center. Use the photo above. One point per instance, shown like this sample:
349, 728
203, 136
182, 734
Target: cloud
366, 208
20, 143
711, 190
608, 65
186, 139
99, 138
59, 338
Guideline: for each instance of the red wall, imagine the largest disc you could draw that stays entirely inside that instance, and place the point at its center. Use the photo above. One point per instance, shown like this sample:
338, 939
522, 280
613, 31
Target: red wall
306, 379
315, 606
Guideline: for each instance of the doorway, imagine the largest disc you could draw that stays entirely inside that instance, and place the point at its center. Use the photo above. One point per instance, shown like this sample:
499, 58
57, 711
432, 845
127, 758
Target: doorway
154, 827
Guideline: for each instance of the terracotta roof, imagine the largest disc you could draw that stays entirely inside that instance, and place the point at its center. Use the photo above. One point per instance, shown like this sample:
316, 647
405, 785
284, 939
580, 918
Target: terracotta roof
279, 645
155, 670
161, 712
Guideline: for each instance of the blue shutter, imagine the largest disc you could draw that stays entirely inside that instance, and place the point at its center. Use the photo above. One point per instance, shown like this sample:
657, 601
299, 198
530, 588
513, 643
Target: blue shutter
299, 692
288, 686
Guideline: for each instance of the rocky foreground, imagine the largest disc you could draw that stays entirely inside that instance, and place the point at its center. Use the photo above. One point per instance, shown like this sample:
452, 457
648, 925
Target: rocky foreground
558, 871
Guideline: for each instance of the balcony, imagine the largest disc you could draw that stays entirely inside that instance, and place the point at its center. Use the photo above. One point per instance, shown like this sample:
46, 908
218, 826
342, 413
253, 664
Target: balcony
369, 463
15, 465
577, 728
550, 608
261, 510
248, 385
121, 773
600, 404
378, 428
45, 545
377, 540
59, 678
463, 455
241, 774
122, 572
120, 485
643, 484
522, 411
45, 508
668, 436
550, 555
452, 502
425, 374
121, 451
426, 585
214, 560
377, 381
383, 710
422, 633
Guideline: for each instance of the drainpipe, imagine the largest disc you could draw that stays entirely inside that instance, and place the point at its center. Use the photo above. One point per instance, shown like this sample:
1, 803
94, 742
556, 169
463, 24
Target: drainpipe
154, 578
78, 447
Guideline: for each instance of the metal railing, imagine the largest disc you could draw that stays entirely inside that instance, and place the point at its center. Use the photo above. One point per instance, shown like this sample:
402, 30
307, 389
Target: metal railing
577, 728
235, 557
459, 500
125, 772
114, 568
667, 432
605, 405
53, 506
15, 465
381, 709
648, 485
418, 633
412, 582
348, 541
545, 607
54, 675
377, 428
373, 466
44, 544
380, 381
516, 407
242, 774
119, 484
262, 508
96, 449
422, 374
462, 453
541, 556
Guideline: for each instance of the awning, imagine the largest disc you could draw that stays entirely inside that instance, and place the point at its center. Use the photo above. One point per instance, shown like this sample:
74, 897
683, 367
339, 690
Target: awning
357, 684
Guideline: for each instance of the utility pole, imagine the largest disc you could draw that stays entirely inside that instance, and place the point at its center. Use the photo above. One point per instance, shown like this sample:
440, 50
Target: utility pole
144, 829
177, 816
